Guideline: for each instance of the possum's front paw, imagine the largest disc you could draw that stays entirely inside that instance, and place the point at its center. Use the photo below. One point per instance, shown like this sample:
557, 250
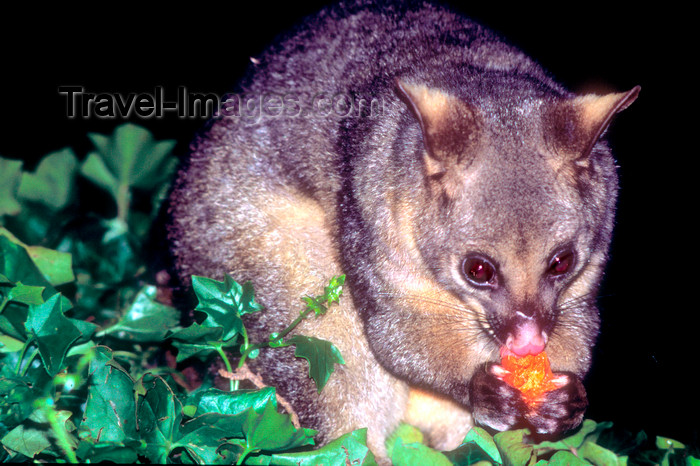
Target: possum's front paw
493, 402
561, 409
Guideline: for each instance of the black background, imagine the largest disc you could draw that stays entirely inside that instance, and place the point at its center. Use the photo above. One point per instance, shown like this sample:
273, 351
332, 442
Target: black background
645, 368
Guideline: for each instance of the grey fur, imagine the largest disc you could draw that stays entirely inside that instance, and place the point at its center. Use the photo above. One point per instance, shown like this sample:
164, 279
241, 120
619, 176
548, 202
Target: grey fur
288, 200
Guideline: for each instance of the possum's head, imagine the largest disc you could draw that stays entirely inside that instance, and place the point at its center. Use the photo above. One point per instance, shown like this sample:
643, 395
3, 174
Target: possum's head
508, 236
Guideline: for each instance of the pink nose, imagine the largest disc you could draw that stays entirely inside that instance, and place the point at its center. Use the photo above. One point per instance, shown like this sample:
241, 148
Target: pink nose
527, 339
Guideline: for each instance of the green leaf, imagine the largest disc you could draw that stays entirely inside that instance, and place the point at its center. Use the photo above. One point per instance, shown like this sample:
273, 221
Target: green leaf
195, 340
566, 458
9, 344
405, 447
53, 332
94, 169
272, 431
35, 435
17, 266
407, 433
110, 409
321, 354
26, 294
145, 319
114, 452
513, 451
665, 443
214, 400
244, 429
29, 439
9, 186
334, 289
160, 415
588, 429
56, 266
17, 395
417, 453
315, 305
203, 436
477, 446
351, 449
33, 265
224, 303
597, 455
130, 157
52, 184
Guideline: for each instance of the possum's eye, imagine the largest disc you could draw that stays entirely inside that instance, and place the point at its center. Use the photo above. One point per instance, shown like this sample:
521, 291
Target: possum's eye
479, 271
562, 262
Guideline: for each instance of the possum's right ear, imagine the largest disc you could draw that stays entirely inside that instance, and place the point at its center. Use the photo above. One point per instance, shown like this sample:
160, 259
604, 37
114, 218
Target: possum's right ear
574, 126
450, 127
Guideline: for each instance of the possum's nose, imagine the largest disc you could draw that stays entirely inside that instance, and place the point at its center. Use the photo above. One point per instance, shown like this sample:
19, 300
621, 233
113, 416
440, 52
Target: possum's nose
526, 338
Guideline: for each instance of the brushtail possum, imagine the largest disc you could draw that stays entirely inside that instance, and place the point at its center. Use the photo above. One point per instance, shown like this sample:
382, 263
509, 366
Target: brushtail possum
466, 195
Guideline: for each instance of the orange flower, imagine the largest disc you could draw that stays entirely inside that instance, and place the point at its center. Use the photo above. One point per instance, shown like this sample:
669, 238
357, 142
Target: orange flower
530, 374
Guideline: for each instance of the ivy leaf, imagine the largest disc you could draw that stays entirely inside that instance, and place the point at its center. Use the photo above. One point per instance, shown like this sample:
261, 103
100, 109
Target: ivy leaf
17, 266
160, 415
322, 356
596, 454
589, 429
272, 431
223, 303
112, 452
406, 454
9, 186
53, 332
9, 344
665, 443
407, 433
17, 395
405, 447
334, 289
514, 452
145, 319
52, 184
566, 458
214, 400
31, 438
26, 294
350, 448
33, 265
240, 423
203, 436
130, 157
478, 445
218, 300
195, 340
110, 408
315, 305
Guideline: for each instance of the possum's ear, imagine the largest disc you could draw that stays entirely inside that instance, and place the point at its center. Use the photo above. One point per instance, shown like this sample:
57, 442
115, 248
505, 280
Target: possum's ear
450, 127
574, 126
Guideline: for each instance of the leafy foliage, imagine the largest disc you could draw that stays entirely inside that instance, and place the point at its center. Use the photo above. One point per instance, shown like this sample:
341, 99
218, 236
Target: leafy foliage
85, 373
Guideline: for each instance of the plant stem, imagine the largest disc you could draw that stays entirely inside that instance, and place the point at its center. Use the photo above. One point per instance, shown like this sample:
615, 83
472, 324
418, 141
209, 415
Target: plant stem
21, 357
233, 384
123, 201
244, 455
5, 300
294, 323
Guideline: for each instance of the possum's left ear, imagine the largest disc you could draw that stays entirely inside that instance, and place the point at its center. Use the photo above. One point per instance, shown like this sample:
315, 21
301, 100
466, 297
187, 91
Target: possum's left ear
574, 126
